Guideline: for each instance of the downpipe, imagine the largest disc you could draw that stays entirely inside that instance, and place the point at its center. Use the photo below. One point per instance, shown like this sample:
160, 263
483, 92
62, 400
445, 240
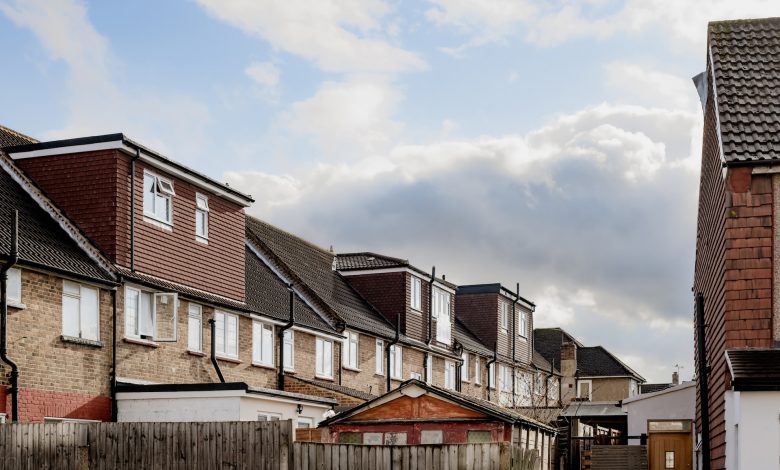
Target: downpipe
13, 258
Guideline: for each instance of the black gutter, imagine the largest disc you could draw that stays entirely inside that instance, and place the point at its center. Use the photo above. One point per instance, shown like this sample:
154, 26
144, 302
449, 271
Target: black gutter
387, 350
702, 374
429, 335
214, 362
492, 361
282, 329
12, 260
132, 209
114, 406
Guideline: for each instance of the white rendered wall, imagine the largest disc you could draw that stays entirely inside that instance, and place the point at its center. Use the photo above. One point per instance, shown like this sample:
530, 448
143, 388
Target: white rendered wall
679, 404
177, 409
252, 406
752, 430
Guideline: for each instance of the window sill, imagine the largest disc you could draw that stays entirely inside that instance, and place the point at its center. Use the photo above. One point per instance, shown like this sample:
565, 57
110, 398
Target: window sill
141, 342
379, 375
322, 377
81, 341
260, 365
158, 223
196, 353
234, 360
16, 305
198, 239
415, 310
353, 369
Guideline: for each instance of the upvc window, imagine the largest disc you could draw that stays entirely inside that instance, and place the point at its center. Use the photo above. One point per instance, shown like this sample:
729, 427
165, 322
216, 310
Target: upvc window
324, 358
492, 375
14, 287
226, 334
262, 344
158, 198
396, 362
150, 315
449, 375
523, 328
505, 378
201, 216
477, 371
379, 355
80, 311
416, 293
195, 327
350, 354
464, 369
585, 389
289, 350
441, 310
504, 315
429, 368
269, 416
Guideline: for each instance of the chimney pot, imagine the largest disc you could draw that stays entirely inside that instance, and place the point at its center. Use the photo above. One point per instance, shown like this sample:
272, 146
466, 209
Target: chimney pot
675, 378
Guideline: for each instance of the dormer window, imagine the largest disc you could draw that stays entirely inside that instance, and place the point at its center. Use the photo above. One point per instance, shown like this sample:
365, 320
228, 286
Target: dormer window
504, 316
201, 217
158, 198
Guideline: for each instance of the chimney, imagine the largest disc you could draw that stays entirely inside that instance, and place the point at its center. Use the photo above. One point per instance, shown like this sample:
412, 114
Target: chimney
675, 378
568, 359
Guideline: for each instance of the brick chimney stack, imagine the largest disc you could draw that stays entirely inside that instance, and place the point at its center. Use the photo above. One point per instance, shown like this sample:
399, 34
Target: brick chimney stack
675, 378
568, 370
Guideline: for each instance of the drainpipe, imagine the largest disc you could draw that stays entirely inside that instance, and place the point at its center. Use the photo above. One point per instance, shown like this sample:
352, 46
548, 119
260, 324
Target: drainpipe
429, 336
114, 406
285, 327
514, 347
214, 362
489, 363
702, 374
13, 258
390, 345
132, 209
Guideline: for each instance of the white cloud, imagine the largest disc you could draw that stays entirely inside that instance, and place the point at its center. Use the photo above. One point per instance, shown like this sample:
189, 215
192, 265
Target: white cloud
264, 73
649, 87
337, 36
353, 117
95, 103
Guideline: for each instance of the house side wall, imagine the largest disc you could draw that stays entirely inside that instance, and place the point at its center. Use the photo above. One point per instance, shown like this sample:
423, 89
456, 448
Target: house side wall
385, 291
479, 312
610, 389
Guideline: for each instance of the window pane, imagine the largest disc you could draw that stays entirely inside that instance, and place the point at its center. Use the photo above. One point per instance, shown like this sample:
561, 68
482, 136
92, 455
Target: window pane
289, 350
232, 335
149, 194
200, 224
89, 313
70, 316
219, 332
380, 357
14, 291
328, 358
464, 369
194, 328
318, 357
131, 312
268, 345
477, 373
145, 315
202, 202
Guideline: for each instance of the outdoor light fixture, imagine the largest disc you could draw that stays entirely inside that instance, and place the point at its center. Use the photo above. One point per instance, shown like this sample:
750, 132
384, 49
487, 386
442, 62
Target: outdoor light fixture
299, 408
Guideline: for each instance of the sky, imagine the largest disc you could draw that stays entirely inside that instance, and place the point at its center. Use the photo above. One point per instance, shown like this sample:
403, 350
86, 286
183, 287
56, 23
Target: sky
554, 144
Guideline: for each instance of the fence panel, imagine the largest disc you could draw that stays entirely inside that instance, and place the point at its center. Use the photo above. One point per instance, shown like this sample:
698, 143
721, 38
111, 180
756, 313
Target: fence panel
248, 444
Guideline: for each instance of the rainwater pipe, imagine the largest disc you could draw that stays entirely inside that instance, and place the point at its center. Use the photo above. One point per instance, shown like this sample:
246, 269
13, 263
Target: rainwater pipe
13, 258
214, 362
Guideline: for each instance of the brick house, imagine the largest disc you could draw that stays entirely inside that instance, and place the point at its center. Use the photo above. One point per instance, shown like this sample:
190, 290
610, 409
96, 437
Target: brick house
518, 377
736, 273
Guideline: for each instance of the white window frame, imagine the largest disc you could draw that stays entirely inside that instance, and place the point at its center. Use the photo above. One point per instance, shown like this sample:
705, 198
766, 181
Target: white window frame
259, 338
429, 368
443, 333
416, 301
81, 310
225, 320
153, 306
351, 343
396, 362
380, 357
163, 188
2, 418
14, 288
289, 350
304, 419
202, 208
522, 330
590, 388
503, 315
324, 361
449, 375
492, 375
269, 416
477, 371
464, 368
194, 313
415, 375
504, 378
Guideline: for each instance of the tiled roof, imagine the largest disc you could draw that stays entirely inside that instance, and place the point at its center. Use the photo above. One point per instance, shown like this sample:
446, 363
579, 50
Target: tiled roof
539, 361
754, 369
547, 342
652, 388
42, 240
598, 362
338, 388
311, 268
9, 137
746, 66
466, 338
266, 294
191, 292
351, 261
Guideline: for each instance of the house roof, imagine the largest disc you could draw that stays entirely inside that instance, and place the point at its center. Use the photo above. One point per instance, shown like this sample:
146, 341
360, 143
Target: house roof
652, 388
468, 340
267, 295
494, 288
671, 389
540, 362
593, 408
10, 137
338, 388
476, 404
346, 262
547, 342
43, 241
746, 68
310, 268
123, 387
754, 369
595, 361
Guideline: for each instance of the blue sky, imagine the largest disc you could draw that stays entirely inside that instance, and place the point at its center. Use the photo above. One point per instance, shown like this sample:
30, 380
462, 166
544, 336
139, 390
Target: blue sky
554, 144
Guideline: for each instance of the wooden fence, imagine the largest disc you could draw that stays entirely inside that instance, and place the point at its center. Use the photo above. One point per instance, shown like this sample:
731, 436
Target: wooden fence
494, 456
232, 445
620, 457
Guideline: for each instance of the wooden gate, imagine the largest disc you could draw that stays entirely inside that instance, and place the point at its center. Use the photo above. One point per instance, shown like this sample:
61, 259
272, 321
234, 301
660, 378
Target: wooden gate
673, 450
621, 457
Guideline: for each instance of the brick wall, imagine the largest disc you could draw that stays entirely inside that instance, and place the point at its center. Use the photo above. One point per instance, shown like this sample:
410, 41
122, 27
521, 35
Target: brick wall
291, 384
479, 312
385, 291
56, 378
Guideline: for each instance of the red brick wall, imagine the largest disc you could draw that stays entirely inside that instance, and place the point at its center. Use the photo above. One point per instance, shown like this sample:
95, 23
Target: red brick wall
733, 268
93, 188
291, 384
35, 405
